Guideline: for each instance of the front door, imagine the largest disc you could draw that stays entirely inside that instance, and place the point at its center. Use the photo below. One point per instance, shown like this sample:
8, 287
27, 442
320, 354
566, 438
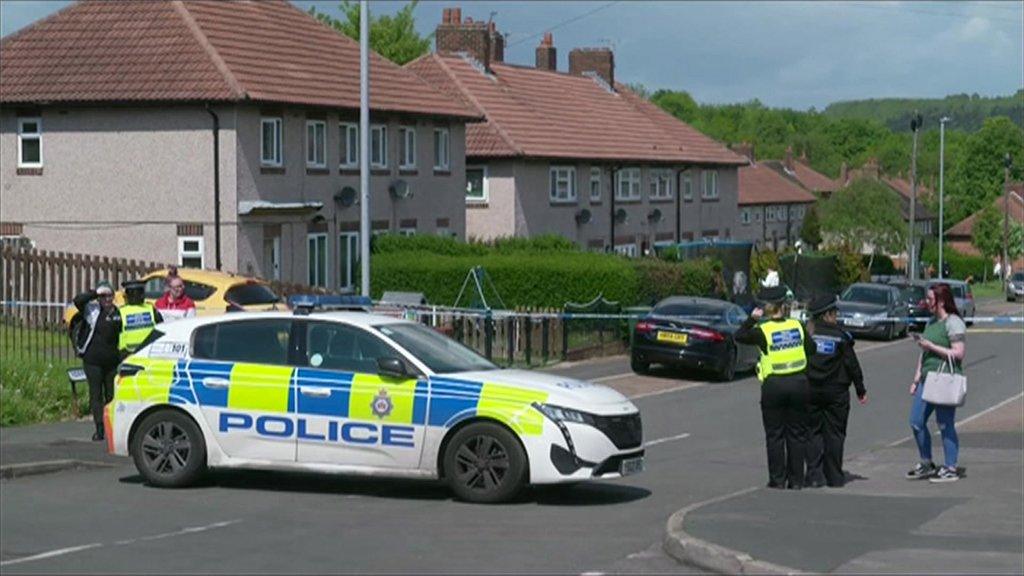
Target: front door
348, 413
244, 382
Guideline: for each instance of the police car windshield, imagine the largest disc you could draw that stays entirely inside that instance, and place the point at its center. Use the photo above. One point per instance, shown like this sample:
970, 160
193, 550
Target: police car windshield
440, 354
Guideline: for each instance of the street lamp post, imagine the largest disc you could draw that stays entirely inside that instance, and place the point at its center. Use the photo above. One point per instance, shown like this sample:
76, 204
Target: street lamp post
1004, 257
364, 145
915, 126
942, 203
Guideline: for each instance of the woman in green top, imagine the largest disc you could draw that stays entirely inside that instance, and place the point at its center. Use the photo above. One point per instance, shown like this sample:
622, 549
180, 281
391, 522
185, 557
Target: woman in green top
943, 338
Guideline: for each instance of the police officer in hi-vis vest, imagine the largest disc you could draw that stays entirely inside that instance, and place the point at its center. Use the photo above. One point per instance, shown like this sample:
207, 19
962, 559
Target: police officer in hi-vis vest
138, 317
784, 347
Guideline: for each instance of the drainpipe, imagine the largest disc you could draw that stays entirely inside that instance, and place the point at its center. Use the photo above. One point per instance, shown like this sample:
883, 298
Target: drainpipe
611, 213
679, 205
216, 184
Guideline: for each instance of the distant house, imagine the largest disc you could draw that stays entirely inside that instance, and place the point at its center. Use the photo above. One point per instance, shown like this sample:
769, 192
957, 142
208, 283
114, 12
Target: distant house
576, 154
110, 114
809, 178
926, 220
961, 236
772, 203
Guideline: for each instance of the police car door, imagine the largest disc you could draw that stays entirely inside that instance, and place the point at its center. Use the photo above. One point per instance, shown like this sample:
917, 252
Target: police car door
347, 412
242, 373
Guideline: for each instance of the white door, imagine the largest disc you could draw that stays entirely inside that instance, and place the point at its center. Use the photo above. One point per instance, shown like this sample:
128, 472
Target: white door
272, 258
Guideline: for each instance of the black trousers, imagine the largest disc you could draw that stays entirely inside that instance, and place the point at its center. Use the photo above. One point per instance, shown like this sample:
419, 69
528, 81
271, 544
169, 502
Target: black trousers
784, 410
830, 410
101, 389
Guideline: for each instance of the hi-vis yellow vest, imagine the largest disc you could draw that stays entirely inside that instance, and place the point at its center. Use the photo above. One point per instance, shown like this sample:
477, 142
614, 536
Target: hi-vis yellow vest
136, 324
785, 353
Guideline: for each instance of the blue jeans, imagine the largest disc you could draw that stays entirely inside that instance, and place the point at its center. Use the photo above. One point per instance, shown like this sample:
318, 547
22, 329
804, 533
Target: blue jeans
920, 411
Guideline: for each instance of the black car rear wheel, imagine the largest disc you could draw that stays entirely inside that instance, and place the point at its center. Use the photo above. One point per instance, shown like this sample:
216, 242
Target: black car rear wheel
639, 366
728, 371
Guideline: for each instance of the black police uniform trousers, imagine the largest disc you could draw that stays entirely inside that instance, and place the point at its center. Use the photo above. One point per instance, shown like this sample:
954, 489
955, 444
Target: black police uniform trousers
830, 410
101, 389
784, 410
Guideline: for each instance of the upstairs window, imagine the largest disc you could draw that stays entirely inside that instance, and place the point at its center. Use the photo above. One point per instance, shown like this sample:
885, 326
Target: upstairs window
660, 184
476, 184
379, 146
316, 144
563, 184
595, 184
270, 142
30, 142
442, 152
687, 187
349, 139
629, 184
710, 190
407, 158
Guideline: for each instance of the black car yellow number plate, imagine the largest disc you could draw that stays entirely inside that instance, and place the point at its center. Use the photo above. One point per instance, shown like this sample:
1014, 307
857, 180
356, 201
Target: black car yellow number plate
672, 337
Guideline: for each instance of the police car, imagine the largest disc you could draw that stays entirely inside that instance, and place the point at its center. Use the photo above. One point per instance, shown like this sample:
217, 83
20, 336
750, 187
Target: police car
363, 394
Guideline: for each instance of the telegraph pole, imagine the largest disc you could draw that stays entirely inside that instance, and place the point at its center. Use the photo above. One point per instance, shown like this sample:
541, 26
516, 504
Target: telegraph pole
1004, 257
364, 144
915, 126
942, 203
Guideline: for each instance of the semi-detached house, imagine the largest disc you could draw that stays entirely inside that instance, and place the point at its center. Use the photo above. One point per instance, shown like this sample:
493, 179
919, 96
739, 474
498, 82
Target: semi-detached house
576, 154
773, 202
110, 112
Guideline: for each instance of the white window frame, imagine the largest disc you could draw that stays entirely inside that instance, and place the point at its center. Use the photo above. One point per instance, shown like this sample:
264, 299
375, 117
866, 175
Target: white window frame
28, 136
709, 191
444, 231
757, 213
347, 274
316, 155
348, 145
272, 269
629, 250
595, 184
558, 175
769, 214
442, 149
199, 253
277, 160
381, 147
745, 215
407, 231
486, 192
407, 136
629, 184
687, 187
659, 184
312, 274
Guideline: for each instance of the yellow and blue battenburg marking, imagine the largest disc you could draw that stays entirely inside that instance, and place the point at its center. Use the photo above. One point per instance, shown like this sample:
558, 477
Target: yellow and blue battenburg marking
439, 401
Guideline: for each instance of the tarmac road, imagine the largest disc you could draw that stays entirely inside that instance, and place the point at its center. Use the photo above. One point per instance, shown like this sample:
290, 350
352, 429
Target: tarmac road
704, 440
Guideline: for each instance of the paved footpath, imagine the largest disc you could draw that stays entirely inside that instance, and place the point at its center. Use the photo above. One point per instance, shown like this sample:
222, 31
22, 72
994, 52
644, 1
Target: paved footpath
879, 523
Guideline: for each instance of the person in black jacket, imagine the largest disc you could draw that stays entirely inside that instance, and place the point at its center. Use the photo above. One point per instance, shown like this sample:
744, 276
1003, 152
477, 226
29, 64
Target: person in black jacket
100, 355
831, 370
784, 347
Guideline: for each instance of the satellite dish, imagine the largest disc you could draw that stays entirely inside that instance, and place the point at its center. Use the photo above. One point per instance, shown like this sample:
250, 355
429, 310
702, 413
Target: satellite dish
347, 197
621, 217
399, 190
654, 216
583, 216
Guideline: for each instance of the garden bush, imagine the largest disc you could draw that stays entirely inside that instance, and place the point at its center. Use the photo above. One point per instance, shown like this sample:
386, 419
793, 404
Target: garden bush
960, 265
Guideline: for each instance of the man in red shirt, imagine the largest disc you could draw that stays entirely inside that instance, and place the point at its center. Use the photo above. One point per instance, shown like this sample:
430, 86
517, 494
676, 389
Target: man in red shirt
175, 304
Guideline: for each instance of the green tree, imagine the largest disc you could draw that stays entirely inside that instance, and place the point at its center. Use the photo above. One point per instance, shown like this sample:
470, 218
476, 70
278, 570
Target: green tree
393, 37
810, 230
988, 235
976, 178
865, 212
677, 103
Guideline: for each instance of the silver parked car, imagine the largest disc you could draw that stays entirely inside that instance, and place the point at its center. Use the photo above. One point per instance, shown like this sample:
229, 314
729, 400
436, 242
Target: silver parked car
962, 295
867, 309
1015, 287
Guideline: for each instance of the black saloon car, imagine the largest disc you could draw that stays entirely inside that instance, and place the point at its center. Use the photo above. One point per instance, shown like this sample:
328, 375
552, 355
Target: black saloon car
692, 333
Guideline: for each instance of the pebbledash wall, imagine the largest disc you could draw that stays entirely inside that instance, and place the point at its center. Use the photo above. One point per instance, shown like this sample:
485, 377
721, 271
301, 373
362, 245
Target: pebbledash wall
529, 210
129, 181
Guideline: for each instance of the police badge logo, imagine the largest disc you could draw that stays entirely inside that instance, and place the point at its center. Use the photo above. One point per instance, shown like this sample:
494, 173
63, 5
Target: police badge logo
382, 405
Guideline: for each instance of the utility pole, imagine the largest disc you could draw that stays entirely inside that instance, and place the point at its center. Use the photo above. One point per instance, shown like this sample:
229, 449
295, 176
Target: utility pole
1004, 257
915, 126
942, 203
364, 144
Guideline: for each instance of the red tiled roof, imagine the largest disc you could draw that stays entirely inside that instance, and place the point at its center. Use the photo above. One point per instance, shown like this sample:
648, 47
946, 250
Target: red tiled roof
965, 227
903, 187
266, 51
760, 184
540, 113
812, 179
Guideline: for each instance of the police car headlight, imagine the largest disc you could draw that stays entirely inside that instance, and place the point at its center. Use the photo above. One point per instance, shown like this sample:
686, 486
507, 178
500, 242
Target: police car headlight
560, 414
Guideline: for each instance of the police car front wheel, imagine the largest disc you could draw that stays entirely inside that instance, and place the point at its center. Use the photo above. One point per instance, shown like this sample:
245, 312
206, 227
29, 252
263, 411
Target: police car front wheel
485, 463
169, 450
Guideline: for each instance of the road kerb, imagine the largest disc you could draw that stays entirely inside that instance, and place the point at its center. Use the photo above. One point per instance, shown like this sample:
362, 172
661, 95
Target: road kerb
10, 471
703, 554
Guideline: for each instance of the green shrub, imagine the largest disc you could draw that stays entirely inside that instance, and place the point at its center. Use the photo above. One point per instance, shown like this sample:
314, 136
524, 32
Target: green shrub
659, 279
36, 391
960, 265
850, 268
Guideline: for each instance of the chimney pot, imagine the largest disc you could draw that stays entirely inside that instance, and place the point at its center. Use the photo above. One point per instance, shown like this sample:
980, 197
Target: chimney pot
457, 16
547, 56
446, 16
789, 158
547, 41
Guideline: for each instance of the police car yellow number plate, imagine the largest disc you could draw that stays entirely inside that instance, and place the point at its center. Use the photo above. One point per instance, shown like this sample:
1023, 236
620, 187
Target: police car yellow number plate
672, 337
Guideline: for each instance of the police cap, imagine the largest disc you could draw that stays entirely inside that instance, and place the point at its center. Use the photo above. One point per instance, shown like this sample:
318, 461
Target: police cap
133, 285
773, 295
821, 304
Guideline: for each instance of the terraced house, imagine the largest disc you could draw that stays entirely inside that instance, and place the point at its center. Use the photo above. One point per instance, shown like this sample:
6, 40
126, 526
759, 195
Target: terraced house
576, 153
126, 126
773, 203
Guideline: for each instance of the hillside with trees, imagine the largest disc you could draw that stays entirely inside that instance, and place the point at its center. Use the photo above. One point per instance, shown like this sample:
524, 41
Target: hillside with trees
965, 111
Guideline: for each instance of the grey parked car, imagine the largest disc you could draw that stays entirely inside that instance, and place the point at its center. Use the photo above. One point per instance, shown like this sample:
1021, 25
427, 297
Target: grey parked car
867, 309
1015, 287
962, 295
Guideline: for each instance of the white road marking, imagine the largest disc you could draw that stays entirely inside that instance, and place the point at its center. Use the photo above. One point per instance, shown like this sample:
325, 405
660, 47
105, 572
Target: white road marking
965, 420
50, 554
612, 377
668, 439
73, 549
686, 386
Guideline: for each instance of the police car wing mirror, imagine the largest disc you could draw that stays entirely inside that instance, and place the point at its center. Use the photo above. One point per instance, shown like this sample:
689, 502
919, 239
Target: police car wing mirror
392, 368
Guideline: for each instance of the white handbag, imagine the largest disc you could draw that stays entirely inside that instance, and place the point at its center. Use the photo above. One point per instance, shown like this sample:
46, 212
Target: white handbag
944, 388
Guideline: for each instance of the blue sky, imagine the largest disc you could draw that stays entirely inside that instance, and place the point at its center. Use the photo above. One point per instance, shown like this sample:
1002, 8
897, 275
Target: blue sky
787, 54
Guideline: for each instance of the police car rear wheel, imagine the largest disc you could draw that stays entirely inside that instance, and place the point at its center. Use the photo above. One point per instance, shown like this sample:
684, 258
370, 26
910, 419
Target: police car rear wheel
485, 463
169, 449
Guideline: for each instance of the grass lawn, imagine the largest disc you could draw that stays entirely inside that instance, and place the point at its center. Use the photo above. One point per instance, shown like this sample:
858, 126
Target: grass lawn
993, 289
33, 377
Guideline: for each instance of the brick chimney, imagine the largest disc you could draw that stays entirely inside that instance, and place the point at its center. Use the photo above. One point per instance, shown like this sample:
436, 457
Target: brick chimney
547, 56
744, 149
844, 174
871, 169
599, 61
789, 159
480, 40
